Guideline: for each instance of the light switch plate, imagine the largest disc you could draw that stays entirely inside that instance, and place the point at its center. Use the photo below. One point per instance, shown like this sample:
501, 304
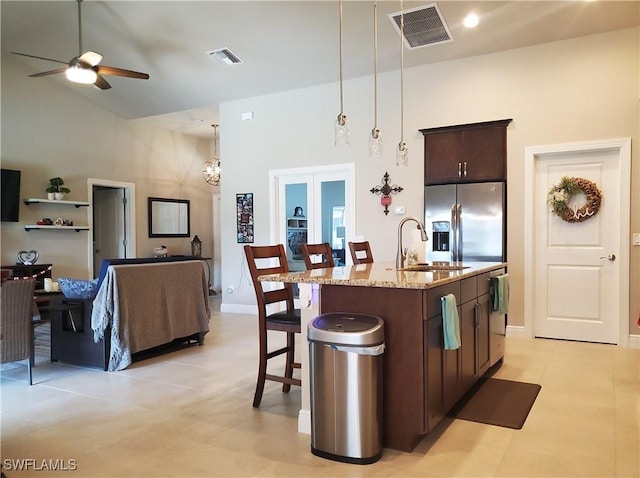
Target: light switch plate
399, 210
636, 239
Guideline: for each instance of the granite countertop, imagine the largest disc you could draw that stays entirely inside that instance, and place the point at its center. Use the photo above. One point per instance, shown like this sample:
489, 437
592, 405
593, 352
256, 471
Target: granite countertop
383, 274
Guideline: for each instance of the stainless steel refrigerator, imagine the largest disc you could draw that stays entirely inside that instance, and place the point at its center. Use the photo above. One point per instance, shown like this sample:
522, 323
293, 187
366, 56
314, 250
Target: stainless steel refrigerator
466, 222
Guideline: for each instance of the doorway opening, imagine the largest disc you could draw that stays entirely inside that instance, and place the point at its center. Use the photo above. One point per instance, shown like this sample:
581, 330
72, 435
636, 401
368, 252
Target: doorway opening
112, 217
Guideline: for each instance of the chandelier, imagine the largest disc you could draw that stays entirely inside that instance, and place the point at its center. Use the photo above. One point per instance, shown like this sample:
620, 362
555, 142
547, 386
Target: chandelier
211, 169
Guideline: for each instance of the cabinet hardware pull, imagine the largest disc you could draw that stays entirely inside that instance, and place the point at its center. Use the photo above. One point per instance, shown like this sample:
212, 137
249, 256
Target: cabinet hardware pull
459, 170
465, 169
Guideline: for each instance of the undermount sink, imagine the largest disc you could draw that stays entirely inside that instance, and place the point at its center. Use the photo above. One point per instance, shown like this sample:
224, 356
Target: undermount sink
434, 267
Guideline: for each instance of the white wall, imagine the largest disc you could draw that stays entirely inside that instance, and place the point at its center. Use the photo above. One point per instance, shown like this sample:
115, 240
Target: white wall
48, 130
574, 90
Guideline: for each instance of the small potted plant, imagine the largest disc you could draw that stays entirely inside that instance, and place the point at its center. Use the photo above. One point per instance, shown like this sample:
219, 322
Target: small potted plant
56, 190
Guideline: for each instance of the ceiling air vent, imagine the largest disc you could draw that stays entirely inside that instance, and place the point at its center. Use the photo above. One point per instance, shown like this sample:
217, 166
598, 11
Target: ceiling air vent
423, 26
226, 56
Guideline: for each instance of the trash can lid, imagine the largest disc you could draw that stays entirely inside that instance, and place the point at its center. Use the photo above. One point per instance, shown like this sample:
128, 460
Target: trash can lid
345, 328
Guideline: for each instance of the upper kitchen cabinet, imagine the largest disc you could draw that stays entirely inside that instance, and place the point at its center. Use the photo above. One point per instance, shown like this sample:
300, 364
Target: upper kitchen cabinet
466, 153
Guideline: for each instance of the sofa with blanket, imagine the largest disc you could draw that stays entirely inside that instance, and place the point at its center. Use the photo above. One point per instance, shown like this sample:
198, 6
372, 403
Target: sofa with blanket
140, 305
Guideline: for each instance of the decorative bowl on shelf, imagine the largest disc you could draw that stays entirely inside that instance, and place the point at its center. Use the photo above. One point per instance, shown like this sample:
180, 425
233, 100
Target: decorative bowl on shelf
78, 288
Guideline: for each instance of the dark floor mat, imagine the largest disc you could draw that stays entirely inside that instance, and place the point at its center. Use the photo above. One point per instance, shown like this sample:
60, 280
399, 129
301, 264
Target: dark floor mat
504, 403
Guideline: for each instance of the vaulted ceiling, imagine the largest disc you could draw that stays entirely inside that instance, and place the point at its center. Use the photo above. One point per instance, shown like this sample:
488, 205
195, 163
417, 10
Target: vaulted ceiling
284, 45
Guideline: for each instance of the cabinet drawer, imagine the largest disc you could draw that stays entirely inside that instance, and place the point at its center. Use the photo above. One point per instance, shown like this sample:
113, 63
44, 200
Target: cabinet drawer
484, 282
468, 290
434, 307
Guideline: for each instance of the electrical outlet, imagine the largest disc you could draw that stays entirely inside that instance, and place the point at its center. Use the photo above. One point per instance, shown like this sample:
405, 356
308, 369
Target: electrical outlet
636, 239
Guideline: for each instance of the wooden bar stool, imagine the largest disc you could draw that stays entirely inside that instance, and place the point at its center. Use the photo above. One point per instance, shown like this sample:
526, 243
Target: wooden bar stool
361, 252
323, 250
260, 260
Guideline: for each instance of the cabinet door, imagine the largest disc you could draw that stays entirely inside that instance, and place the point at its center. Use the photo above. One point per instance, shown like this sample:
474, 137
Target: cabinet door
484, 154
434, 406
483, 310
450, 377
444, 154
468, 358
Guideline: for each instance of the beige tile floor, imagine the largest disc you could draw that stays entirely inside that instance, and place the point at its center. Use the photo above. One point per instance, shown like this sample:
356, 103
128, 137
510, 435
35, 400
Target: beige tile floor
189, 414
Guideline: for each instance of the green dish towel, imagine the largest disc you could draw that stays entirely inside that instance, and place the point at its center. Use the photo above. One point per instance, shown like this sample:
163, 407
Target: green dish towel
501, 293
450, 322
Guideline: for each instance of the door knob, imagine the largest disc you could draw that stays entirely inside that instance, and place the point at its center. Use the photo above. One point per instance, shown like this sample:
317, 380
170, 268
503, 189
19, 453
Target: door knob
611, 257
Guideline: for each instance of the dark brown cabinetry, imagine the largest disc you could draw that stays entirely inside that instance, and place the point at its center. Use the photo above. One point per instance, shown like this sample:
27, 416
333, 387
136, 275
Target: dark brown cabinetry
466, 153
451, 373
422, 381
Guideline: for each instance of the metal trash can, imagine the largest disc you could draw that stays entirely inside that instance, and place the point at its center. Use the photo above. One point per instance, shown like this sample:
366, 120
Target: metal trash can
345, 363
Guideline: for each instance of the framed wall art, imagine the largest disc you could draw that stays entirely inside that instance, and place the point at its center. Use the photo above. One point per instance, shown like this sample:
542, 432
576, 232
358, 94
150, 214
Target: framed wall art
244, 212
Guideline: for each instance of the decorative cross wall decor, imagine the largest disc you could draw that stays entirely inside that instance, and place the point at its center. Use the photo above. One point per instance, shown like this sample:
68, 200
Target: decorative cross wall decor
385, 190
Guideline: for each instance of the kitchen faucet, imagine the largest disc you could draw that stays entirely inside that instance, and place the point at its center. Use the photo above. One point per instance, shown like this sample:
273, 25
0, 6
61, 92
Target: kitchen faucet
401, 255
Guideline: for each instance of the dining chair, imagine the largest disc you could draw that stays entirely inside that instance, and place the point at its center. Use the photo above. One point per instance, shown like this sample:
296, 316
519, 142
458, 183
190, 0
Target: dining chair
322, 250
16, 323
260, 260
361, 252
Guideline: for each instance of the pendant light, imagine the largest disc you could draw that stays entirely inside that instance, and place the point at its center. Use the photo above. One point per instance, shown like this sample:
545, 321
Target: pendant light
211, 169
375, 141
402, 153
342, 124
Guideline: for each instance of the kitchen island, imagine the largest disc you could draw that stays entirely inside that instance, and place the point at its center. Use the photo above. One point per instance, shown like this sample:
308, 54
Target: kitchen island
421, 380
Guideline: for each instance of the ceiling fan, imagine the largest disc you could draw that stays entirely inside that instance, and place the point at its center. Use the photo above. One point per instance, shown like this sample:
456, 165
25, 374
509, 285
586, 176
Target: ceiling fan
85, 67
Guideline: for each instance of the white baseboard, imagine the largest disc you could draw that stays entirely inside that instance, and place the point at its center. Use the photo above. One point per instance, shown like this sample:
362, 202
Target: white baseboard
239, 309
304, 421
518, 332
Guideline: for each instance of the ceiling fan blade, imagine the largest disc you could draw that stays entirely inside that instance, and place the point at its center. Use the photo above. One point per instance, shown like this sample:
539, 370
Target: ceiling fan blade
101, 83
91, 58
110, 70
46, 73
40, 57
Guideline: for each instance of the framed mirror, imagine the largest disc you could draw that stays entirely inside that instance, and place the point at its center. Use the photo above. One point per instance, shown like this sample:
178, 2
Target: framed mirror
168, 217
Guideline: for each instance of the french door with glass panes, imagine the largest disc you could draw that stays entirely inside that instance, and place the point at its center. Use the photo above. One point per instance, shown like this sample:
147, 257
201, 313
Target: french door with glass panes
313, 205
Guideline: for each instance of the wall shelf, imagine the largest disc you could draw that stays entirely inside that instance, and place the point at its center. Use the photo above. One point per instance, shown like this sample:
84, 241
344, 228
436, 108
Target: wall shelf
56, 201
30, 227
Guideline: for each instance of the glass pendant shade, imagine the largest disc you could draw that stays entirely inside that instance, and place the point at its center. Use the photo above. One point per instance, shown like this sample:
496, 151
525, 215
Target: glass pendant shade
342, 130
402, 154
375, 144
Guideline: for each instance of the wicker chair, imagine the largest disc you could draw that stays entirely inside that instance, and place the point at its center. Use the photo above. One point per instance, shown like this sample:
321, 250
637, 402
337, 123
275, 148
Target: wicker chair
16, 323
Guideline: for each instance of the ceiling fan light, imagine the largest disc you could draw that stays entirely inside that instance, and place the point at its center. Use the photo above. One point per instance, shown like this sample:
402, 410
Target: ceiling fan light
77, 74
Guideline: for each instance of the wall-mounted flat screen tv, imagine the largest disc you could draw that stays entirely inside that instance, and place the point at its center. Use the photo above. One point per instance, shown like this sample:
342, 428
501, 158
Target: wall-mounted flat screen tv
10, 204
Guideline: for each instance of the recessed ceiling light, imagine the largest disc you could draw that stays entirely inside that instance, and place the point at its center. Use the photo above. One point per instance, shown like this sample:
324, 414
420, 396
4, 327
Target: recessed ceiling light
471, 20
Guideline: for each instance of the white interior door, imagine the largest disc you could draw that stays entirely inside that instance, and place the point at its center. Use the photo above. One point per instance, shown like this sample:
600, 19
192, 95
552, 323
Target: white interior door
581, 269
